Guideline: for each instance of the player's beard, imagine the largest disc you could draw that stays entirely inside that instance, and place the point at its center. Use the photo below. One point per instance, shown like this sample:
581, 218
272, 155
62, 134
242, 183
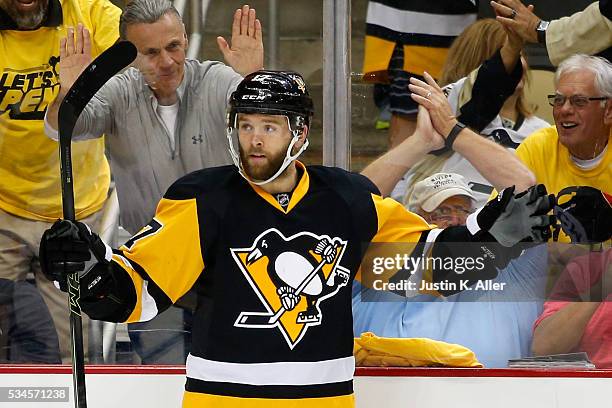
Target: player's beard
266, 170
26, 20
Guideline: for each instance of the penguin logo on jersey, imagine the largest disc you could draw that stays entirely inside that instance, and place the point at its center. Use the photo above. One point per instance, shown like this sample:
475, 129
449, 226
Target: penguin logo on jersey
291, 276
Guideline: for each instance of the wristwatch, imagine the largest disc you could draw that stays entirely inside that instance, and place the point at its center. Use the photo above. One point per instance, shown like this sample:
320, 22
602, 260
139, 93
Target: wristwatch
452, 135
541, 31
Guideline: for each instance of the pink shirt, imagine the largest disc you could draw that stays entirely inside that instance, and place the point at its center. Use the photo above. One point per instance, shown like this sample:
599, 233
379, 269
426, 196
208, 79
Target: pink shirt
577, 277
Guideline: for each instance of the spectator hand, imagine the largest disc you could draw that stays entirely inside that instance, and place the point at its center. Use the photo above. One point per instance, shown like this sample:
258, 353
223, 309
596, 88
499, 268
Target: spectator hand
75, 56
514, 42
511, 218
586, 216
524, 21
66, 247
246, 53
430, 96
426, 133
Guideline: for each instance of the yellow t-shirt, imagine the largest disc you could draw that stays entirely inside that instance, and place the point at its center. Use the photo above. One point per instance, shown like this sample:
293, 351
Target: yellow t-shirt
552, 165
29, 161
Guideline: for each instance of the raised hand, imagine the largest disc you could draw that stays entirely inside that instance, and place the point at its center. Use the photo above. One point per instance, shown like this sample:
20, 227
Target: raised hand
513, 39
425, 131
515, 15
246, 52
75, 56
430, 96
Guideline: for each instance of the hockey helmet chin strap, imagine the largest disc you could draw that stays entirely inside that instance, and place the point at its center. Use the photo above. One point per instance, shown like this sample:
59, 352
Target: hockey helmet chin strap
286, 162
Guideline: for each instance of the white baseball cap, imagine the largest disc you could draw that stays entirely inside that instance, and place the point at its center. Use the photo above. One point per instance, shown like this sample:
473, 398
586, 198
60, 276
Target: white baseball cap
429, 193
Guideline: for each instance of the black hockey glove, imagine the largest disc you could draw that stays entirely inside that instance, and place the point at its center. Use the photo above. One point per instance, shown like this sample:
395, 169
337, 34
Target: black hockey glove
586, 216
70, 247
107, 293
510, 218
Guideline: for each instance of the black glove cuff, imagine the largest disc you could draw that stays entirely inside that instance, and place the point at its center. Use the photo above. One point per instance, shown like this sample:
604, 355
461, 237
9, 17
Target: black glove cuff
107, 293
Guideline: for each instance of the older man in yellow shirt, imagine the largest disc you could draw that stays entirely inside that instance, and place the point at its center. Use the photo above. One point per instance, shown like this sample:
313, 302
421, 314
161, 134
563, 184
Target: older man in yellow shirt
576, 151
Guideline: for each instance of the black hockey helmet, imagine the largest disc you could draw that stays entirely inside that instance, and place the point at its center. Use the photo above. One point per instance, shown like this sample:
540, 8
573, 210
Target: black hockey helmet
273, 93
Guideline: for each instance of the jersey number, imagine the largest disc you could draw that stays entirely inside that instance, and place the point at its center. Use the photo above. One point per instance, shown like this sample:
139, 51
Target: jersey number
153, 228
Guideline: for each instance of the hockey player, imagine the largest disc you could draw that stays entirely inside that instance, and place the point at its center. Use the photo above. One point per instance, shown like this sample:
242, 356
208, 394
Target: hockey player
274, 244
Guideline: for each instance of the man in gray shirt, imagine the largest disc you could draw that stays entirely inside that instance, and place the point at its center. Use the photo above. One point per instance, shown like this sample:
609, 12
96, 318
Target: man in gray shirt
166, 117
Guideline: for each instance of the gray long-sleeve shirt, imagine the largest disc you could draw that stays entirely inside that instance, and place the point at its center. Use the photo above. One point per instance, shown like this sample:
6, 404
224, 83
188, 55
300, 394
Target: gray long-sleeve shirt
142, 161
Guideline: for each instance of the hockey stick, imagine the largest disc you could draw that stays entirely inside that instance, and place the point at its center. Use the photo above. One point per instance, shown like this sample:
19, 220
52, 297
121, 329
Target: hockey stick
107, 64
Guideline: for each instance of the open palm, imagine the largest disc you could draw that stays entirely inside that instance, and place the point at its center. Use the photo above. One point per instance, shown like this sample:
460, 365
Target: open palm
75, 56
246, 52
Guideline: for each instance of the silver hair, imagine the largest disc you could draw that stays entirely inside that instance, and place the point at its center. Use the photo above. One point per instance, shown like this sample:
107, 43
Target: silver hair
600, 67
144, 12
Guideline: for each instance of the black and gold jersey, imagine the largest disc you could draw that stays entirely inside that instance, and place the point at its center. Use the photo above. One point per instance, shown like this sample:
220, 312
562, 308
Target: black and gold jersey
273, 322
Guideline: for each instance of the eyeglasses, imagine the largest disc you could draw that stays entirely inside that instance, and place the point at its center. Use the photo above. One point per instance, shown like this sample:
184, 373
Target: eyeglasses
448, 212
579, 101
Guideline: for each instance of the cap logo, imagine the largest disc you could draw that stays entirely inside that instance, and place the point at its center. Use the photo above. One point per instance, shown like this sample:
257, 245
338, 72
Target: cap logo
442, 181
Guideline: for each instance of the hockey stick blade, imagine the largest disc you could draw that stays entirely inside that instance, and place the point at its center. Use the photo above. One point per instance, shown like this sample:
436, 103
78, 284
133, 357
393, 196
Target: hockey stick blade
85, 87
260, 320
97, 73
103, 68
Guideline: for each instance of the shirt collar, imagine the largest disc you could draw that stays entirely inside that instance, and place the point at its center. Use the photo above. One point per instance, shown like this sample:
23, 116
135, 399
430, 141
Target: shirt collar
54, 17
298, 193
589, 164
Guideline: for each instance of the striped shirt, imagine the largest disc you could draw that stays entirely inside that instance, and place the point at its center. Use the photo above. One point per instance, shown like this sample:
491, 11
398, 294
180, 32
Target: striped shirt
426, 29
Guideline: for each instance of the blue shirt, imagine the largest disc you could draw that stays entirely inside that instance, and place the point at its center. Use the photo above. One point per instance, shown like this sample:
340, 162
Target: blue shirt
495, 325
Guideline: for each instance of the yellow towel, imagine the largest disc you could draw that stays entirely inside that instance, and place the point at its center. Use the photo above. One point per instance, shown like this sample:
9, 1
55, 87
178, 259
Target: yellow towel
373, 351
